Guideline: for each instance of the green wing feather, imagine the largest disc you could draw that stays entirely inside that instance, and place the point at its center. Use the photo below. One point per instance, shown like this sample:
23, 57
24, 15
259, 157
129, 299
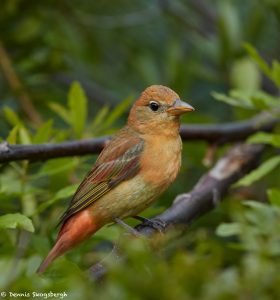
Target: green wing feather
106, 174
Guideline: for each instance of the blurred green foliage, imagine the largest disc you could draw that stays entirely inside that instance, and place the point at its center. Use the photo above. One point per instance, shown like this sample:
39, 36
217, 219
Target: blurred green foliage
102, 53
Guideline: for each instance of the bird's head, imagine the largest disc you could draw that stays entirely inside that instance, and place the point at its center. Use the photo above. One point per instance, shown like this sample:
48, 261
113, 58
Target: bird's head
158, 108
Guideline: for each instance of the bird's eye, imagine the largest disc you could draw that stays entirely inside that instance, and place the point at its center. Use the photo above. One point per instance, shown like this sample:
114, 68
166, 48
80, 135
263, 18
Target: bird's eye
154, 106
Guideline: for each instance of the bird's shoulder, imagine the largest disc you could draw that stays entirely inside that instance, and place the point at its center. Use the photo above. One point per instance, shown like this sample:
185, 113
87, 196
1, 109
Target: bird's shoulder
125, 142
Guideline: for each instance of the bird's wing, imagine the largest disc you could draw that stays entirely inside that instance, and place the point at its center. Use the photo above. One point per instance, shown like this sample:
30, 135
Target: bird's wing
119, 161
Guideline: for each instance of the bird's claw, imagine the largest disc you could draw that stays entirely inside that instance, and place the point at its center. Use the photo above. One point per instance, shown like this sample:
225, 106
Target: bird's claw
156, 224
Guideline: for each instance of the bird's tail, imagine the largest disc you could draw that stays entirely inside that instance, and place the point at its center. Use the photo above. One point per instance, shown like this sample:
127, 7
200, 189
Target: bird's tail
53, 254
73, 231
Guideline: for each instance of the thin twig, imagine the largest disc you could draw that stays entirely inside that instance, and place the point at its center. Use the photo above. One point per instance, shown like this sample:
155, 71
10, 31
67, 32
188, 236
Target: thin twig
17, 86
217, 134
229, 132
48, 151
136, 18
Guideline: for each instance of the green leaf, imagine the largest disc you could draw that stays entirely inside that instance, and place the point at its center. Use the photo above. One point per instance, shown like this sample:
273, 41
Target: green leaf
261, 171
29, 203
66, 191
245, 75
13, 134
273, 73
43, 133
77, 102
61, 194
10, 182
256, 205
274, 196
16, 220
276, 73
248, 100
262, 100
228, 229
58, 165
258, 59
244, 98
12, 117
24, 136
258, 215
61, 111
99, 118
117, 111
265, 138
235, 99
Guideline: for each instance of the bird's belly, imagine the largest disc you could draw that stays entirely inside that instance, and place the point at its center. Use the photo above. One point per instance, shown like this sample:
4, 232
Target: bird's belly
158, 170
127, 199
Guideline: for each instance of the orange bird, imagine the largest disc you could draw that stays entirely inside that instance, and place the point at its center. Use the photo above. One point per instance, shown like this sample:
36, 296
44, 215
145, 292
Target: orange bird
134, 168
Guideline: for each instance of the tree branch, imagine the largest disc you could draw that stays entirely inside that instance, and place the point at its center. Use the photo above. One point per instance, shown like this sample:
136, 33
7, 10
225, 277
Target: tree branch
206, 194
211, 188
47, 151
229, 132
215, 134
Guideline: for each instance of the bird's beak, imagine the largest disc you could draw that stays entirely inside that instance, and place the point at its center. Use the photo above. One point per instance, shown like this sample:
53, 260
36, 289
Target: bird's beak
179, 107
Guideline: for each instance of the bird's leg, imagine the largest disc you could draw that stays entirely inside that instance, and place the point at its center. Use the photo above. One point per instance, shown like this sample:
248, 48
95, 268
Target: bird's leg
127, 227
157, 224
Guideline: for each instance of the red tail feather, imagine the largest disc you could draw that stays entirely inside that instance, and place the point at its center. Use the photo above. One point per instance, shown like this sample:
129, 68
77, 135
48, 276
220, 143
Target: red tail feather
53, 254
74, 231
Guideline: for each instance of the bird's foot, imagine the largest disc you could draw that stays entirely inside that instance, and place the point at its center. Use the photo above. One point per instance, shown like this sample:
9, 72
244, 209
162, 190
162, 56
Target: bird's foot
156, 224
127, 227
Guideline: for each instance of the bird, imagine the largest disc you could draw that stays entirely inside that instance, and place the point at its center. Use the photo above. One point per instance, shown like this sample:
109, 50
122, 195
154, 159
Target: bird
136, 166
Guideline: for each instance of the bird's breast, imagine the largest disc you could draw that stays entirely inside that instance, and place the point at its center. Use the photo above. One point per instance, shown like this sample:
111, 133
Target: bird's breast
161, 160
159, 166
